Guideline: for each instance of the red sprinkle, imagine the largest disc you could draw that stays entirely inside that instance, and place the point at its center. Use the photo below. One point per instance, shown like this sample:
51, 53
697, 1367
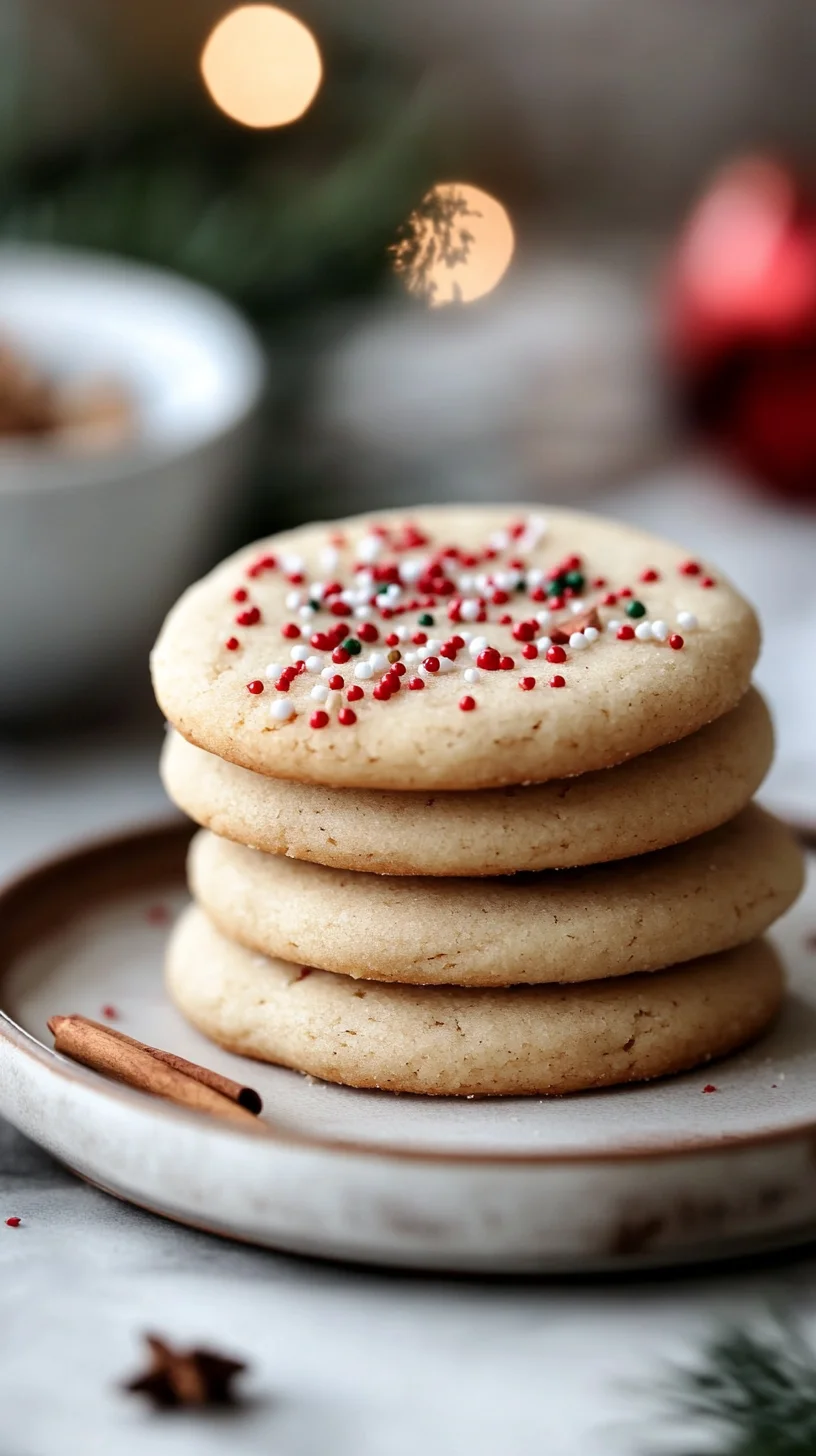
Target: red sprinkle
506, 664
467, 704
320, 641
290, 629
489, 660
556, 654
419, 639
626, 633
392, 640
13, 1222
338, 609
250, 618
708, 581
416, 684
505, 620
337, 682
355, 693
599, 582
527, 684
283, 683
431, 664
499, 597
382, 692
689, 568
319, 719
232, 644
558, 681
609, 600
399, 668
240, 595
650, 574
367, 632
709, 1087
347, 716
675, 641
625, 591
256, 686
525, 631
340, 654
530, 651
110, 1013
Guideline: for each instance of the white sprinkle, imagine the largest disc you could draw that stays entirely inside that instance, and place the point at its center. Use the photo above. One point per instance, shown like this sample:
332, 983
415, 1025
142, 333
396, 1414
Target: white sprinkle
292, 564
411, 569
480, 582
329, 558
643, 631
613, 625
466, 583
422, 671
465, 636
535, 577
402, 633
294, 599
362, 613
328, 672
320, 693
445, 664
315, 663
363, 578
576, 606
273, 669
660, 631
472, 675
315, 591
543, 643
477, 645
499, 541
409, 658
591, 633
305, 612
281, 710
299, 654
363, 671
469, 610
577, 641
379, 662
369, 548
392, 592
543, 618
687, 621
433, 645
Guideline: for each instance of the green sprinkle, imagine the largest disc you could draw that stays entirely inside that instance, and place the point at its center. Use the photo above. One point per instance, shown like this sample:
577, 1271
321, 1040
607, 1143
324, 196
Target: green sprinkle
426, 620
521, 585
575, 579
635, 609
383, 587
555, 587
353, 646
315, 606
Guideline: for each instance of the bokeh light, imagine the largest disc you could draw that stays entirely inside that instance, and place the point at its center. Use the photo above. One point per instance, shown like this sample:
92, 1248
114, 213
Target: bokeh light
457, 245
261, 65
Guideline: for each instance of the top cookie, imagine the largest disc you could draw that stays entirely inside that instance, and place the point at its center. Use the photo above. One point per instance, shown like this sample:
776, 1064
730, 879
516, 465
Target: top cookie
452, 648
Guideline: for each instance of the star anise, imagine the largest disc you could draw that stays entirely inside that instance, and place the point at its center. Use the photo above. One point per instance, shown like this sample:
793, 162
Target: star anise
196, 1377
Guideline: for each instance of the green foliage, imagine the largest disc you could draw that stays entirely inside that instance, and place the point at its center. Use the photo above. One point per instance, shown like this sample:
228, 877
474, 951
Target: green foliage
755, 1391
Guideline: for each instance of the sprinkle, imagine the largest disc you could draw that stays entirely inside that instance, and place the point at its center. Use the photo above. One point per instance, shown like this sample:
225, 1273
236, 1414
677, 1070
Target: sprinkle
506, 664
426, 620
232, 644
556, 654
614, 625
355, 693
299, 654
488, 659
660, 631
650, 574
336, 682
676, 641
708, 581
347, 716
558, 681
318, 719
577, 640
367, 632
290, 629
689, 568
281, 711
529, 651
543, 643
709, 1087
635, 609
591, 634
241, 595
13, 1222
431, 664
255, 687
249, 618
527, 684
477, 645
379, 661
626, 633
643, 631
352, 646
687, 621
416, 684
610, 600
314, 664
363, 671
319, 694
467, 704
472, 675
340, 655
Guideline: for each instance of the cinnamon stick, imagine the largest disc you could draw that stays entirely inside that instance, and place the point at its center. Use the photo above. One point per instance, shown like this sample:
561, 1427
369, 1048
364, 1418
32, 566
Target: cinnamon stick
151, 1070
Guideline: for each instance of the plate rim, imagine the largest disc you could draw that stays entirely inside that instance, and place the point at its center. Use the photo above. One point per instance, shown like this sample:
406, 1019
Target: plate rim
171, 835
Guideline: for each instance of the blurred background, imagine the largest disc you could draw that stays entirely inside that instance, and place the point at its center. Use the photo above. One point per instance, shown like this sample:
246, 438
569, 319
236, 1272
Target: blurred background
261, 264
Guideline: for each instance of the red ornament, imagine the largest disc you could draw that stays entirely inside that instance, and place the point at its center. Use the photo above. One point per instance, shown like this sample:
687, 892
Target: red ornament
741, 323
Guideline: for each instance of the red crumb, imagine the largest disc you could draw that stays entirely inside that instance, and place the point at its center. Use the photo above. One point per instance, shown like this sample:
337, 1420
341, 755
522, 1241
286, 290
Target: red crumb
709, 1087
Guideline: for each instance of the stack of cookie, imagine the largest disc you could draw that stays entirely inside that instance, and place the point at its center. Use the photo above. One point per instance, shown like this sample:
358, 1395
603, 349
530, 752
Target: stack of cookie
476, 793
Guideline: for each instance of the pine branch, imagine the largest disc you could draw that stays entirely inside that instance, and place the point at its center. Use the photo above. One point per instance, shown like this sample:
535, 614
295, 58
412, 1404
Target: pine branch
755, 1391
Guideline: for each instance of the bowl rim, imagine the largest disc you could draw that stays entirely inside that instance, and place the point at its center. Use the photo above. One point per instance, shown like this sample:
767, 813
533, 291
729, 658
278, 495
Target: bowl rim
40, 470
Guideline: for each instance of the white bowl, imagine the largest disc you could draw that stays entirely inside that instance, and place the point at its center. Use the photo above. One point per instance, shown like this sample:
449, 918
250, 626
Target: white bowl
95, 548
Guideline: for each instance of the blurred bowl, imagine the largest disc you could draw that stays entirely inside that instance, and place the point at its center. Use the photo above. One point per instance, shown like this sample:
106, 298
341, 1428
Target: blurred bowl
94, 547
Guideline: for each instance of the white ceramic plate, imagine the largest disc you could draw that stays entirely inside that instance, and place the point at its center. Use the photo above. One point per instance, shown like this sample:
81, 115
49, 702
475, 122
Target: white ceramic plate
653, 1174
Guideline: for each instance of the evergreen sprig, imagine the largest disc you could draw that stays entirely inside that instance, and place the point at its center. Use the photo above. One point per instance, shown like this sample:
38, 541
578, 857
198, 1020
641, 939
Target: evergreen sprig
755, 1391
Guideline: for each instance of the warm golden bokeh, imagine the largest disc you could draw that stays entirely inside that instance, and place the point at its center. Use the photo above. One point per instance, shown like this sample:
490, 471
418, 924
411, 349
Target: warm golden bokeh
458, 246
261, 66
